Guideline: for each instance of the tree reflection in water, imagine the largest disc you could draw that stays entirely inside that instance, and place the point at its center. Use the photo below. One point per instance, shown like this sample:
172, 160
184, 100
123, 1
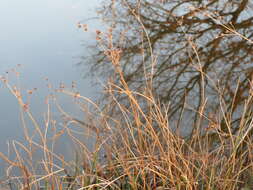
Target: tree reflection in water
197, 53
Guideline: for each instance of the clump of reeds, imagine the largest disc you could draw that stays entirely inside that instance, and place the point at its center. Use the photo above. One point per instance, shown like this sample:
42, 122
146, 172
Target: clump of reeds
136, 149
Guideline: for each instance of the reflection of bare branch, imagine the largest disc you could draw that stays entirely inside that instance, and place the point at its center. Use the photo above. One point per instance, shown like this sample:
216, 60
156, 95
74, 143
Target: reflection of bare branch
185, 33
83, 124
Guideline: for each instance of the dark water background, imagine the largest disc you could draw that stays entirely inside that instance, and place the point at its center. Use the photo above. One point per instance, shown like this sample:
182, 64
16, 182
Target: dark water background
43, 37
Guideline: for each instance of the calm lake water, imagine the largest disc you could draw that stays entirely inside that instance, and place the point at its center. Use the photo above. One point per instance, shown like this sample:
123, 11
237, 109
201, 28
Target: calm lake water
43, 37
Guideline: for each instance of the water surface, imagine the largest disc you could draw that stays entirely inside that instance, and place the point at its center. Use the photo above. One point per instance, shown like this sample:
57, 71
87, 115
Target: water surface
43, 37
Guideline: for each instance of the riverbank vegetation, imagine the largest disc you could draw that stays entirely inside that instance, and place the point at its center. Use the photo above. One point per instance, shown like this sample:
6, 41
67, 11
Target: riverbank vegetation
176, 111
